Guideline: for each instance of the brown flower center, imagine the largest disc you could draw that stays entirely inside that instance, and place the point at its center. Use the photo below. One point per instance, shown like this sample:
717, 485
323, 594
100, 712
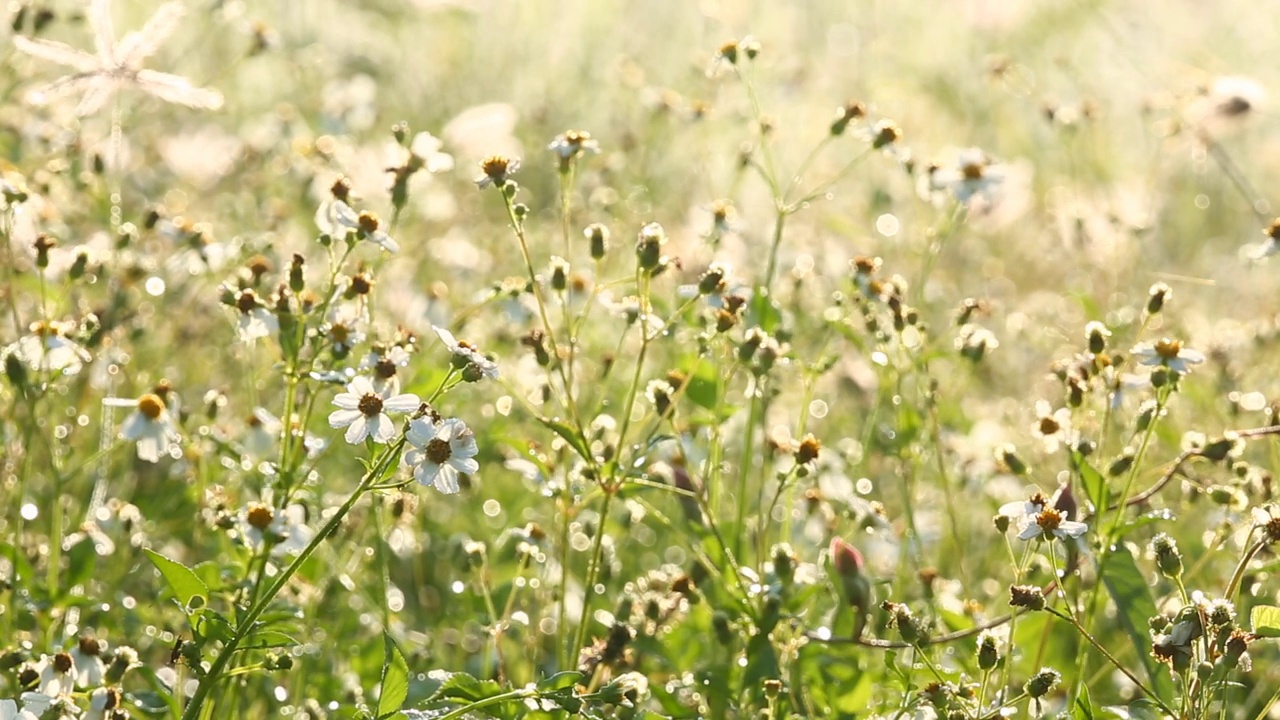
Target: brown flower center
438, 451
972, 171
151, 406
339, 333
260, 516
62, 662
247, 302
368, 222
370, 405
495, 166
385, 369
1168, 349
1049, 426
89, 646
1049, 519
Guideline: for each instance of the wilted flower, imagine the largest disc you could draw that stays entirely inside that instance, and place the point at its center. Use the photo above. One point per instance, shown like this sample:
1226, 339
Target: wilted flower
1167, 353
116, 65
362, 410
440, 451
149, 425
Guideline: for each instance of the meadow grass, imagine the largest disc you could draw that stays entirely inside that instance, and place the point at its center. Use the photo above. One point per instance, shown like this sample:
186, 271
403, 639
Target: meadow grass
437, 359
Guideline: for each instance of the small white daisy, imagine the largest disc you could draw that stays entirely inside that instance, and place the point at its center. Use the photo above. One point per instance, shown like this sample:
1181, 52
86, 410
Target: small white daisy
48, 349
464, 355
383, 363
87, 658
496, 170
101, 701
253, 319
973, 176
345, 326
362, 411
1167, 353
57, 675
440, 451
150, 425
262, 431
336, 218
1035, 518
1053, 427
573, 143
426, 148
286, 529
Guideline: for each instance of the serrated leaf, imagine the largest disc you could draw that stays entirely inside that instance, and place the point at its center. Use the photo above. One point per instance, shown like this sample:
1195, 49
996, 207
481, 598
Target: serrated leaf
394, 687
461, 686
1265, 620
1132, 596
184, 583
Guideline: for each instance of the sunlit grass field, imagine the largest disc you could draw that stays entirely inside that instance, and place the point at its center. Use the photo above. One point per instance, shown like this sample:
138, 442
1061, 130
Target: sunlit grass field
435, 359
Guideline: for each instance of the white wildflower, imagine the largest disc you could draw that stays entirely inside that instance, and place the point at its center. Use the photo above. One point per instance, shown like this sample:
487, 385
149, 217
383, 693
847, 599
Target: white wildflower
362, 411
440, 452
98, 76
149, 425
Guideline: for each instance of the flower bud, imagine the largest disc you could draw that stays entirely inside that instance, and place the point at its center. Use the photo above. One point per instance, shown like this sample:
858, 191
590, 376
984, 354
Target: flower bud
1168, 559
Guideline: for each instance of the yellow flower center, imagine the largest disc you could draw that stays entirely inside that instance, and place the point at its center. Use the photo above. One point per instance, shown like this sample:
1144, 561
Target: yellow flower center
1168, 349
151, 406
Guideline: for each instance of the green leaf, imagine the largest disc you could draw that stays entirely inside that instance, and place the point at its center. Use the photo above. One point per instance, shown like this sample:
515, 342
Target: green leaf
1265, 620
461, 686
1082, 709
560, 681
702, 387
1095, 485
394, 688
570, 436
1134, 605
187, 587
83, 557
267, 639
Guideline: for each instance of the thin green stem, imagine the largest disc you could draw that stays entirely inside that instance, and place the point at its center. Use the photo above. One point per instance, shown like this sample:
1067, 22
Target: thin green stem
246, 624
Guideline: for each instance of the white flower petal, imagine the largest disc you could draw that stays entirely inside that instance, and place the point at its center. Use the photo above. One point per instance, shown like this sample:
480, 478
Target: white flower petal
358, 430
420, 432
447, 480
343, 418
402, 403
381, 429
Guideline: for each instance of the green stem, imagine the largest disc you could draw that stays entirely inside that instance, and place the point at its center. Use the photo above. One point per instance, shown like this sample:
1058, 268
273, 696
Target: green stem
246, 624
1112, 659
